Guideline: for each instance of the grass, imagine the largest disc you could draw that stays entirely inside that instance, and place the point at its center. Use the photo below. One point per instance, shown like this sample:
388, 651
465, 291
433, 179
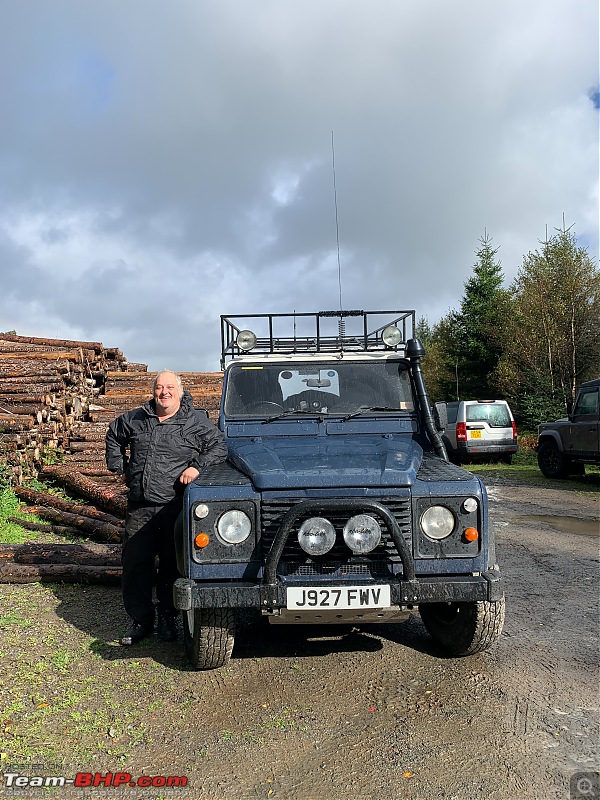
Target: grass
524, 469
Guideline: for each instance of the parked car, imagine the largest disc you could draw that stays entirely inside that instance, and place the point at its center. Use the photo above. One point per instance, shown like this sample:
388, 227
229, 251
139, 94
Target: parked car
337, 504
566, 445
478, 429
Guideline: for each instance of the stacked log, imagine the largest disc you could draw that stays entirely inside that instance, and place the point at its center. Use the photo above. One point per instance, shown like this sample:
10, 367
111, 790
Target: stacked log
46, 385
60, 396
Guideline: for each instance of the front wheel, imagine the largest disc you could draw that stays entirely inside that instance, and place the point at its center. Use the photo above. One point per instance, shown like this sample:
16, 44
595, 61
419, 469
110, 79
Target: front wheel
464, 628
208, 635
551, 461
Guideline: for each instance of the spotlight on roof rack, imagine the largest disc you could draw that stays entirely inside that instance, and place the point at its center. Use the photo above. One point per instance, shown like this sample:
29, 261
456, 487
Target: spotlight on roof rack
391, 336
246, 340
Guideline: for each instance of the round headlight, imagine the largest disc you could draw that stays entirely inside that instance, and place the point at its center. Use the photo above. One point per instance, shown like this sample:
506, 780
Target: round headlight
437, 522
316, 536
391, 336
201, 511
246, 340
234, 527
362, 533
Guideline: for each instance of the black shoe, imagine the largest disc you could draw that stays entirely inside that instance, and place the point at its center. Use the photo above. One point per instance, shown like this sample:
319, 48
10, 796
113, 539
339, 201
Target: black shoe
136, 632
166, 630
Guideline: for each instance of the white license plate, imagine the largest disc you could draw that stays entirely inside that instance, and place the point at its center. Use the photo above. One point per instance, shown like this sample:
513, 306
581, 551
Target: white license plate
343, 597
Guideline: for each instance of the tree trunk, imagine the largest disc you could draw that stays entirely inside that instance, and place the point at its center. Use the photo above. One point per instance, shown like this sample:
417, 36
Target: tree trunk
68, 573
91, 527
36, 498
99, 555
106, 498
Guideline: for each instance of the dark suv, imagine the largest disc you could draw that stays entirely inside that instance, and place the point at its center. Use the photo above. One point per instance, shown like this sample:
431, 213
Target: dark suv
337, 503
565, 446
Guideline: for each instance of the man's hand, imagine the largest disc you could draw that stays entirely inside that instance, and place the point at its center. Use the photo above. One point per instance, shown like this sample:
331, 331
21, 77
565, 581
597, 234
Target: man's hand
188, 475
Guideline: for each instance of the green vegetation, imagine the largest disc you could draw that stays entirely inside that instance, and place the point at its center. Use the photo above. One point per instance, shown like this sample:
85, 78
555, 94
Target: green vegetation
532, 344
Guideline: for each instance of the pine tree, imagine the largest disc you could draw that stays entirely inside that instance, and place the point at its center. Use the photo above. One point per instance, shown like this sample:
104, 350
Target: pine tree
477, 328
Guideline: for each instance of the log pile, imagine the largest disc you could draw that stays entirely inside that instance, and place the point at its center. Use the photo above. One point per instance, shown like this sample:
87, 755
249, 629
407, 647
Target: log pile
57, 398
46, 386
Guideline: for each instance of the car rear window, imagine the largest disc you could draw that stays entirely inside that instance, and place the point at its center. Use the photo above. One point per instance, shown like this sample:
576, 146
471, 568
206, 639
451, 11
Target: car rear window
494, 414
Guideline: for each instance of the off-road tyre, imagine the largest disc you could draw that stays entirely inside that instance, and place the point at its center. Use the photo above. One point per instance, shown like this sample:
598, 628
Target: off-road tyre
208, 635
464, 628
551, 461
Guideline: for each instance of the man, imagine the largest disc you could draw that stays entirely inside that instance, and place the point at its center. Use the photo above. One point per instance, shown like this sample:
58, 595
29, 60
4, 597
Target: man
169, 443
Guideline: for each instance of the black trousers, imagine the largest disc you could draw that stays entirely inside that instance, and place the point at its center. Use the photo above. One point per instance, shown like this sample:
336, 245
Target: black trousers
148, 534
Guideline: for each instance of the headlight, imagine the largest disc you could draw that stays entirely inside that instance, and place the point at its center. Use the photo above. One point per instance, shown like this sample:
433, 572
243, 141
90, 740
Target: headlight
246, 340
234, 527
437, 522
316, 536
362, 533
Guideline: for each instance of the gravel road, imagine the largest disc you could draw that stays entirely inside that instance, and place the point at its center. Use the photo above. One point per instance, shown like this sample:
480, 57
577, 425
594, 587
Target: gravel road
379, 712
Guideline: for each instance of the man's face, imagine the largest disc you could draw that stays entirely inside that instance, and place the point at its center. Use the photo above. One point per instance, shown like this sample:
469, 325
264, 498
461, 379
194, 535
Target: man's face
167, 394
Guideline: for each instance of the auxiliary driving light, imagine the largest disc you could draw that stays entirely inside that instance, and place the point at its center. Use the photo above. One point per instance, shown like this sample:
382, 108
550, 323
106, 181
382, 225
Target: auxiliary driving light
391, 336
246, 340
234, 527
362, 533
470, 504
437, 522
316, 536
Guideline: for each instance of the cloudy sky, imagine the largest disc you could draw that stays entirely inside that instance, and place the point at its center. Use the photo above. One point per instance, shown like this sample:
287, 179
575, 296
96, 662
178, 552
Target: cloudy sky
162, 163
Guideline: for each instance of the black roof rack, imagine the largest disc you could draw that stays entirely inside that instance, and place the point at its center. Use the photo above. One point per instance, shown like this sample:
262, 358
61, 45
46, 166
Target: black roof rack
318, 332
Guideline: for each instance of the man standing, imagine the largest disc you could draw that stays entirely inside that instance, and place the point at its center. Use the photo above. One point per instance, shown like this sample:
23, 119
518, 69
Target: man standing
169, 443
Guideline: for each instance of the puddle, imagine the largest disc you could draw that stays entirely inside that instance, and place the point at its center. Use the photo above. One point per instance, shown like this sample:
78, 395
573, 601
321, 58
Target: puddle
582, 527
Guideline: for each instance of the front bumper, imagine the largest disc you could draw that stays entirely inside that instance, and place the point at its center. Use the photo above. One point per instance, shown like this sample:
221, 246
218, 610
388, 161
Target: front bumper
190, 594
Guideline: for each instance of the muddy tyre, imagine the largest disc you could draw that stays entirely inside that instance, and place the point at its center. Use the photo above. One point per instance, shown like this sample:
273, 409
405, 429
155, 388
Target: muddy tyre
551, 461
208, 635
464, 628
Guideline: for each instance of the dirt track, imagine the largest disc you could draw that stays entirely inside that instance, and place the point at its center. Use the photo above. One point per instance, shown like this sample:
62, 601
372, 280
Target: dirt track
377, 712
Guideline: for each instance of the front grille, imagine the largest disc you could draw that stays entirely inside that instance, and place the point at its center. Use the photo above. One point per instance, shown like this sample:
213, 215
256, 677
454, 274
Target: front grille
339, 560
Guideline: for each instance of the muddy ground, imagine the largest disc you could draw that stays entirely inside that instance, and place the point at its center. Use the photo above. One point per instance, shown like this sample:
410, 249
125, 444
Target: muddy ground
377, 712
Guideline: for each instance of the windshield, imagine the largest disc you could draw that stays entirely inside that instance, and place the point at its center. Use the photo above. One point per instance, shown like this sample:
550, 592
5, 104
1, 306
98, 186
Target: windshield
494, 414
341, 388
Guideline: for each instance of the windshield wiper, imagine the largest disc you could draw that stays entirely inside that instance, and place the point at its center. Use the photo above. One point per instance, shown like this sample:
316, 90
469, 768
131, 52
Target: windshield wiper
362, 409
292, 411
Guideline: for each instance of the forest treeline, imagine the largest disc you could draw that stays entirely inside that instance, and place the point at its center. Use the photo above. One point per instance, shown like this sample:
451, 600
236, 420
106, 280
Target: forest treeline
532, 343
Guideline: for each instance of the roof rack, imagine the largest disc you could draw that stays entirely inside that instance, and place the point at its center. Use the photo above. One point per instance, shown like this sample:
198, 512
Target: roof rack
318, 332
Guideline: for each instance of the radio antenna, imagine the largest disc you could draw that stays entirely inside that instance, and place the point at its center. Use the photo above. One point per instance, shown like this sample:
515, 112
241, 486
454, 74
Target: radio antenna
342, 321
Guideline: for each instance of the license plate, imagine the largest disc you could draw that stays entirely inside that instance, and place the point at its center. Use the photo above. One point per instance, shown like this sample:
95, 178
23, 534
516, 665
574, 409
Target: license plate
475, 434
342, 597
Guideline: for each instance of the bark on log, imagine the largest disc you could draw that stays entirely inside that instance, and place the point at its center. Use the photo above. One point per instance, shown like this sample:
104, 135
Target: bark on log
45, 527
66, 573
15, 422
12, 337
36, 553
33, 497
95, 528
108, 499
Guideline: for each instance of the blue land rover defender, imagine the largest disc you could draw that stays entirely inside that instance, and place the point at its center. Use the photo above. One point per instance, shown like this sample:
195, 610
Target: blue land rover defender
337, 503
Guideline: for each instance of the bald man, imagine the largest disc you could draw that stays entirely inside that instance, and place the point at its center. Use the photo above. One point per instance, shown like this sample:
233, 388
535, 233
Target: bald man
160, 448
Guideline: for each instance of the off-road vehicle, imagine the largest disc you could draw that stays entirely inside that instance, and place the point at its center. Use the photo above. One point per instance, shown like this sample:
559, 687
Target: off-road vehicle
479, 429
337, 503
565, 446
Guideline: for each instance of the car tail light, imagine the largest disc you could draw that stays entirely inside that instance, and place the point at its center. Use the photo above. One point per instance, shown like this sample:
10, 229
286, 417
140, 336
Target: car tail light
461, 432
514, 427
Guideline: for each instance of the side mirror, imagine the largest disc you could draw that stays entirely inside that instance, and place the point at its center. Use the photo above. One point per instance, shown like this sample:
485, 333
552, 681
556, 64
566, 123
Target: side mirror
440, 416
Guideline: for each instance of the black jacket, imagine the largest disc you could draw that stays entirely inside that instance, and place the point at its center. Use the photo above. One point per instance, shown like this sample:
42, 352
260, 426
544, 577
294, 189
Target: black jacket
160, 451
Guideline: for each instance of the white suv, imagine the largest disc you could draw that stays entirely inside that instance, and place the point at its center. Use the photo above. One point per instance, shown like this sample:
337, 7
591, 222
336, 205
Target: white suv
482, 429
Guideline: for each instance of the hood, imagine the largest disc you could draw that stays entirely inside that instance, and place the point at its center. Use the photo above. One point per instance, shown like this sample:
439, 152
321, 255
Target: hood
323, 462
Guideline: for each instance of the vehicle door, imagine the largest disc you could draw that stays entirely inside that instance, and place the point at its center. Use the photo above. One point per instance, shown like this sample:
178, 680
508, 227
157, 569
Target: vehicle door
584, 431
